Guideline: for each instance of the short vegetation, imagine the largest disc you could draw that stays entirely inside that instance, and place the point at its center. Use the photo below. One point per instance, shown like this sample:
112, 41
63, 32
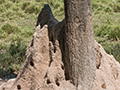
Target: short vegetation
18, 19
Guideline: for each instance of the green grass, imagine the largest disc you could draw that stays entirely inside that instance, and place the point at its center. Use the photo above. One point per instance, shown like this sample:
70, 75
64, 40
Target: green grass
18, 19
106, 19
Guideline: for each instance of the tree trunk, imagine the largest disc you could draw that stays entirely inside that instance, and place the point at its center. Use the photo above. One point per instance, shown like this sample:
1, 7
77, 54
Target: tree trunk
79, 43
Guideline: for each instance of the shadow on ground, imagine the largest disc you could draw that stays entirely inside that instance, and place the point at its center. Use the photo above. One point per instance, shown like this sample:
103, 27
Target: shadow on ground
5, 75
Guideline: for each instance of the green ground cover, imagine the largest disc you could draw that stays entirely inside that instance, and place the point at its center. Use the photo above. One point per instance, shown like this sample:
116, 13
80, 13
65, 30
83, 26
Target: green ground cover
18, 19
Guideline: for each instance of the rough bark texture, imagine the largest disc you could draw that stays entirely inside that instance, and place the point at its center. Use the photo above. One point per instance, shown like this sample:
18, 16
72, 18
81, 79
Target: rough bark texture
80, 53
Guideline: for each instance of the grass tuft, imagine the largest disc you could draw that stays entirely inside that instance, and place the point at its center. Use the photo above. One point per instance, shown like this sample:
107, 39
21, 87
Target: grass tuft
32, 8
15, 1
24, 5
2, 1
8, 28
13, 57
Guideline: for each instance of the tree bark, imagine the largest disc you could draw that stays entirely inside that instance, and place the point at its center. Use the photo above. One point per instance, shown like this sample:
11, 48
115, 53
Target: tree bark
79, 43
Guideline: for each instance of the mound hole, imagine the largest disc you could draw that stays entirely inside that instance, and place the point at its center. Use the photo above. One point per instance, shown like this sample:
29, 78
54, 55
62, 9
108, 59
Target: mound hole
18, 87
62, 67
57, 83
103, 86
31, 63
48, 81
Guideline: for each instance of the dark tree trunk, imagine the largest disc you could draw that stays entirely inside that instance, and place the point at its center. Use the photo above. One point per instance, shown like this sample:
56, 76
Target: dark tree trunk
79, 43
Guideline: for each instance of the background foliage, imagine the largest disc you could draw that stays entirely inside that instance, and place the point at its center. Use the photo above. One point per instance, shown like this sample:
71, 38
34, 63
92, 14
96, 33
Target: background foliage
18, 19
